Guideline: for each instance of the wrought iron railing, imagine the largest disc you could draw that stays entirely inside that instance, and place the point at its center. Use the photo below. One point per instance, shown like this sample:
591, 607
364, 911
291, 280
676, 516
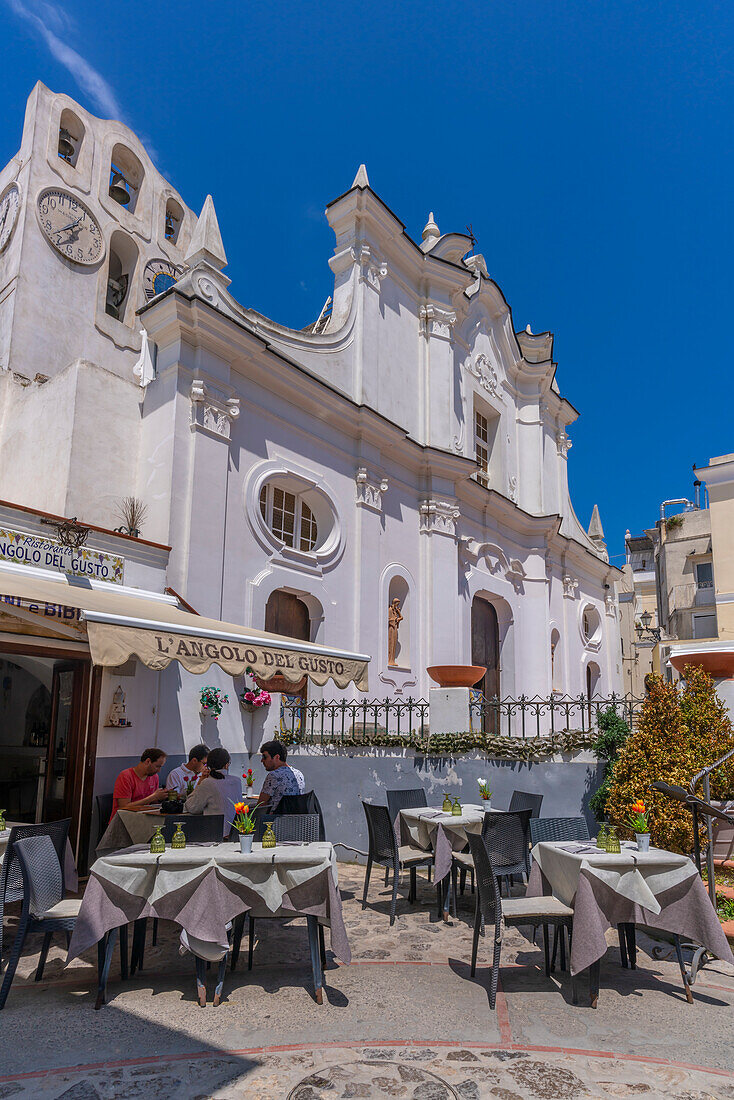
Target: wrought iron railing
384, 721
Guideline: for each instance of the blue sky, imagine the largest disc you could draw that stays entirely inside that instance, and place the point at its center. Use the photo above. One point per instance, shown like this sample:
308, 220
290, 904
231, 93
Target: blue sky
589, 144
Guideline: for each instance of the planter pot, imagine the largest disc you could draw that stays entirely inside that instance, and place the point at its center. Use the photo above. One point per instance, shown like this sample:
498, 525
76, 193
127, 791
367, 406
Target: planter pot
456, 676
643, 842
207, 712
246, 842
486, 803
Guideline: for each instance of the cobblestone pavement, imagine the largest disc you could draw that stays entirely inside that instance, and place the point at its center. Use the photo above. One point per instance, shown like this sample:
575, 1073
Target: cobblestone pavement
404, 1020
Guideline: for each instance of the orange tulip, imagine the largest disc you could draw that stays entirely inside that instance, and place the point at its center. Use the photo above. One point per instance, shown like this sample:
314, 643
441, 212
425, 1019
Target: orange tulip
245, 809
239, 807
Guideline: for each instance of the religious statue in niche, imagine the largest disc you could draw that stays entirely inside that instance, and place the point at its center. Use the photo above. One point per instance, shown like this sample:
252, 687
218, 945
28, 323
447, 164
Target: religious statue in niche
117, 716
394, 619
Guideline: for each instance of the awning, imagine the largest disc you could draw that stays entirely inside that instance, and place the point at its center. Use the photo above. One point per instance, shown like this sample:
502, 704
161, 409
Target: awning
121, 625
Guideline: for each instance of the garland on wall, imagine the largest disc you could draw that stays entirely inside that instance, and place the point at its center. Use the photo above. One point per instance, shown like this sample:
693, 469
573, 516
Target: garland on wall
449, 744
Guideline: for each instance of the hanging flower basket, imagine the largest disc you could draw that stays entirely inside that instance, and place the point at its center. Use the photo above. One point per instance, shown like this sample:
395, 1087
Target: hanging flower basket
211, 701
255, 697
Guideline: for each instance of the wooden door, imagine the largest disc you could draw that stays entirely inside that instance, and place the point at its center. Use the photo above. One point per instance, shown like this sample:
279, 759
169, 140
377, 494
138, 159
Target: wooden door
286, 614
66, 740
485, 650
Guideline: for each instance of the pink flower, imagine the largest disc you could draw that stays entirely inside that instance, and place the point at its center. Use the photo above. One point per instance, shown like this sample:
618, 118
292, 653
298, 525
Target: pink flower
265, 699
250, 696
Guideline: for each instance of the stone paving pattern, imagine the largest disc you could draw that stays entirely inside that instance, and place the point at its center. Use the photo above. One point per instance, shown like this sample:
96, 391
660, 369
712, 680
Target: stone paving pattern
404, 1020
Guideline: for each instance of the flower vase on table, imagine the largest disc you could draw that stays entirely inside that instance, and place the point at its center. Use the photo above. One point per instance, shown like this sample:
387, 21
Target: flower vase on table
158, 842
485, 794
244, 823
640, 823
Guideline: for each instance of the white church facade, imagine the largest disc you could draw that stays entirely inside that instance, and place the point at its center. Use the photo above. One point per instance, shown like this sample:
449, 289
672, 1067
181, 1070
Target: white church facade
409, 445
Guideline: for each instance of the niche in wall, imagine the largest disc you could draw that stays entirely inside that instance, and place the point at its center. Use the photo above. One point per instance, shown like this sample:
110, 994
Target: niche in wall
399, 590
126, 177
71, 135
123, 259
174, 218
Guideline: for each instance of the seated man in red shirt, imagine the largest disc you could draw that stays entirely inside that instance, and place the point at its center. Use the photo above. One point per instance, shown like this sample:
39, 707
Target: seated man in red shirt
136, 788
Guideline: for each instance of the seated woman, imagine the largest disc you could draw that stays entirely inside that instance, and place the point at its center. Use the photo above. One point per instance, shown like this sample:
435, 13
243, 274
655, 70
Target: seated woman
217, 793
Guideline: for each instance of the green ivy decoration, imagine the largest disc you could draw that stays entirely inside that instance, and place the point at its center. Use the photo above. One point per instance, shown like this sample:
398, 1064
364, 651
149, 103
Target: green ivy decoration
529, 749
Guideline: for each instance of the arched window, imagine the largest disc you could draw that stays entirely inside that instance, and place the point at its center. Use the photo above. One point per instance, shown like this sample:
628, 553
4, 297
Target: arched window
121, 266
126, 177
289, 517
71, 135
174, 217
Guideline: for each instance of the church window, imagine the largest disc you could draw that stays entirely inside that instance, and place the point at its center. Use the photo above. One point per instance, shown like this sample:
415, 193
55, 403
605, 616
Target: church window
174, 217
481, 447
121, 266
71, 133
126, 177
591, 625
289, 517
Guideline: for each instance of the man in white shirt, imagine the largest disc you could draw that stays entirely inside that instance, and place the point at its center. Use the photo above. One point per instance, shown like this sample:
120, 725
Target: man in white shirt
185, 777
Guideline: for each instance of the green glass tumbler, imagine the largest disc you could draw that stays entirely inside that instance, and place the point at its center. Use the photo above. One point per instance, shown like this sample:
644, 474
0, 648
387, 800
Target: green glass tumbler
158, 843
2, 820
446, 807
601, 839
456, 808
613, 845
178, 840
269, 840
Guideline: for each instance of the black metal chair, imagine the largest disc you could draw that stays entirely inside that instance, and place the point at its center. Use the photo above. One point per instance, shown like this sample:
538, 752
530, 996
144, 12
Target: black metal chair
492, 910
385, 851
198, 828
558, 828
287, 827
11, 879
306, 803
104, 813
409, 798
44, 907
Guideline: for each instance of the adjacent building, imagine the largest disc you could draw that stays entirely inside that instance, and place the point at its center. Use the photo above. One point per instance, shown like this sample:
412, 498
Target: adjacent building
406, 450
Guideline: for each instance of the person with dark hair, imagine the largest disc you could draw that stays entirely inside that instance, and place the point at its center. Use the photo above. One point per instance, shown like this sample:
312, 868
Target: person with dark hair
136, 788
185, 778
218, 792
281, 778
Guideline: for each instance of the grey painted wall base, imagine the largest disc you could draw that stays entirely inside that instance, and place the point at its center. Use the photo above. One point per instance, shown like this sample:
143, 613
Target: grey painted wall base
343, 778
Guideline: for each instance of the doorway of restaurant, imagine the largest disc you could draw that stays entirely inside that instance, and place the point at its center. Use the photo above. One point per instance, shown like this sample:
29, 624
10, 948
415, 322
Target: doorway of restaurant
286, 614
44, 718
485, 650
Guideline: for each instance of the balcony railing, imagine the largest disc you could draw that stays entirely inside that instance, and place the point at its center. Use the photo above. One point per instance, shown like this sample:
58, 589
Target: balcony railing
407, 722
685, 597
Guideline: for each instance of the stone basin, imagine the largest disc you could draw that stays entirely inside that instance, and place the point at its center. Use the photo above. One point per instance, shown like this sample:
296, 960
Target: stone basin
456, 676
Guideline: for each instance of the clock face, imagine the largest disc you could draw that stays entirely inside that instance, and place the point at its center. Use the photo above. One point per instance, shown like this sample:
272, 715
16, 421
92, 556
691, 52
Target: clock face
158, 276
9, 205
70, 226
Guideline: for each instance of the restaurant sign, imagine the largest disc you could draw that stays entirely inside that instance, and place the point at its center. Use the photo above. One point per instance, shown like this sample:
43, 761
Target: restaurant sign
50, 554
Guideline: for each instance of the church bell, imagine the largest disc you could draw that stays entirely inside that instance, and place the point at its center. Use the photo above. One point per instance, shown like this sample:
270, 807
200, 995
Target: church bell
170, 227
118, 189
66, 148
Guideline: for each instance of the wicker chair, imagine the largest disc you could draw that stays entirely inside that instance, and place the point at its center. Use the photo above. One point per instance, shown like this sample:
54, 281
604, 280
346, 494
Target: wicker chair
405, 799
558, 828
11, 878
526, 800
306, 803
44, 907
199, 828
104, 813
287, 827
492, 910
384, 850
506, 837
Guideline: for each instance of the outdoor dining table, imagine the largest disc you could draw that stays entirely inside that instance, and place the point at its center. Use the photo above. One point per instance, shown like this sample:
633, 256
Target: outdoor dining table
203, 887
440, 831
656, 890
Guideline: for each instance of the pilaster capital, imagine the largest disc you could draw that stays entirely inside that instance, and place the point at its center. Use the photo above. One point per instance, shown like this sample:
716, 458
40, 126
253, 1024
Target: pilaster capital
212, 412
369, 489
438, 517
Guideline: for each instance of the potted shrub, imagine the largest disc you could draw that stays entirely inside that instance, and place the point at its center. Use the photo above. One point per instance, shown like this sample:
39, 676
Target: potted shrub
211, 701
244, 823
254, 697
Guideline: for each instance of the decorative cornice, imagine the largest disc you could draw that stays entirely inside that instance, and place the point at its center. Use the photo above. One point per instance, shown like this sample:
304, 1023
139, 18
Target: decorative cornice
369, 490
438, 517
437, 321
212, 413
563, 443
